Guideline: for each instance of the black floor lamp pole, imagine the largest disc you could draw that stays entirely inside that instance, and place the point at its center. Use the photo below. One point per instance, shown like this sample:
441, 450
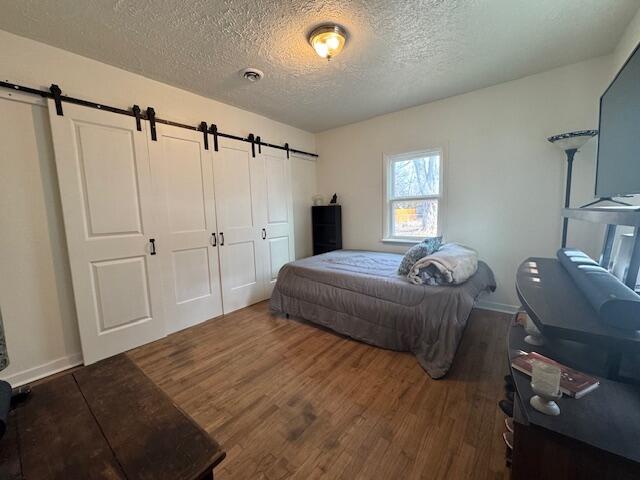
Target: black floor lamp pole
570, 142
567, 192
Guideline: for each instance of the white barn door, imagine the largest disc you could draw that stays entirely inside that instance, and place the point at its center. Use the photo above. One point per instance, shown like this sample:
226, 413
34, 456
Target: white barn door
104, 177
278, 214
182, 174
239, 190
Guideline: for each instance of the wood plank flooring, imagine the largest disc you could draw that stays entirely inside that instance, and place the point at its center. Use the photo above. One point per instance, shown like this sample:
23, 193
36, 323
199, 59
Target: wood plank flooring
287, 399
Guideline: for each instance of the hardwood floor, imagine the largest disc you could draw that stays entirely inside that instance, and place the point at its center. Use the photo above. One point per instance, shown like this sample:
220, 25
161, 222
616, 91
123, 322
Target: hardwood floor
290, 400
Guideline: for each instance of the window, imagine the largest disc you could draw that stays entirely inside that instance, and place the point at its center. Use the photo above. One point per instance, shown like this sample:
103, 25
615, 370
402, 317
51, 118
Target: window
413, 195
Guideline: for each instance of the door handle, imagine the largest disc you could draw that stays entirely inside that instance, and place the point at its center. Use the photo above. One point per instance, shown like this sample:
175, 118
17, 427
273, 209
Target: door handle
214, 241
152, 241
221, 239
264, 234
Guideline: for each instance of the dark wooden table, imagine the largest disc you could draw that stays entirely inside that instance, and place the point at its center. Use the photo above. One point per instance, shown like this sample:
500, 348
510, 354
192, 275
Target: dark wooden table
105, 421
596, 436
561, 311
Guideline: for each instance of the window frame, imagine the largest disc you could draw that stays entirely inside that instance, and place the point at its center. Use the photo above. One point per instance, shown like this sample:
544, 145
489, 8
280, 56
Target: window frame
387, 201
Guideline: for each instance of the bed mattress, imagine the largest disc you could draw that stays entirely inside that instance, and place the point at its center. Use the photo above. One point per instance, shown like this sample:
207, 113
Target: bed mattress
358, 294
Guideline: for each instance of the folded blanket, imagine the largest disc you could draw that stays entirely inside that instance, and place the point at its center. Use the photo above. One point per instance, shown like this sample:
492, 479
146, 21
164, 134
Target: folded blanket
452, 264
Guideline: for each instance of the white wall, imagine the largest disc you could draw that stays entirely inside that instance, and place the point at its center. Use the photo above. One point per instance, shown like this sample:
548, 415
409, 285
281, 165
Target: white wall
35, 282
628, 41
303, 173
35, 289
503, 181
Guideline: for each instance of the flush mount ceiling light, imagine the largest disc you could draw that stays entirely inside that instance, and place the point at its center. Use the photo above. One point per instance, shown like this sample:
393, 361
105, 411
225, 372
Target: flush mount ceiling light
252, 74
328, 40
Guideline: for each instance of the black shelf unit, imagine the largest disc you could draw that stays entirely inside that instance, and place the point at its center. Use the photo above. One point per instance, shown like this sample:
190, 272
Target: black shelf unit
327, 228
596, 436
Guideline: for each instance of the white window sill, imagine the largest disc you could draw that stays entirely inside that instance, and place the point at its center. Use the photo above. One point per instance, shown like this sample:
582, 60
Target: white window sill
402, 241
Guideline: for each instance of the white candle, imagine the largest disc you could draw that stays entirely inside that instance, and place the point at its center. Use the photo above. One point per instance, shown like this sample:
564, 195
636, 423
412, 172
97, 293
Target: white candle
545, 378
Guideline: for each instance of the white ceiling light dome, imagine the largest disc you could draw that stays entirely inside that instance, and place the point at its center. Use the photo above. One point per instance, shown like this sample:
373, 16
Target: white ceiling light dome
328, 40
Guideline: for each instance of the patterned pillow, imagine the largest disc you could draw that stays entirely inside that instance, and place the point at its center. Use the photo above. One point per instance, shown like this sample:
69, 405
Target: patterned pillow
418, 251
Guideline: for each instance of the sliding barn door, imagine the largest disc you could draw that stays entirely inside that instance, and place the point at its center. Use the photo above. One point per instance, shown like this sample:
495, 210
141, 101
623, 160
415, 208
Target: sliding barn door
182, 173
103, 172
278, 214
239, 189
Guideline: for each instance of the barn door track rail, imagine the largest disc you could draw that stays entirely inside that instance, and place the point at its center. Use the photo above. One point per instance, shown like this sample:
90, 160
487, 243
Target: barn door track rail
149, 115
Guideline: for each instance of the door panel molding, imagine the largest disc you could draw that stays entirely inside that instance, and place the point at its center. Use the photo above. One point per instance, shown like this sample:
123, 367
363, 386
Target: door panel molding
240, 205
278, 216
182, 174
116, 282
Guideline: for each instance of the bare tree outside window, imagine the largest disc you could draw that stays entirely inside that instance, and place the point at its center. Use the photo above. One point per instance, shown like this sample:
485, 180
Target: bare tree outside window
413, 195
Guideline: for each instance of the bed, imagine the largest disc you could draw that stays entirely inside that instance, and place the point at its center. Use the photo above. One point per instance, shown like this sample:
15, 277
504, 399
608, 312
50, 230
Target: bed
358, 294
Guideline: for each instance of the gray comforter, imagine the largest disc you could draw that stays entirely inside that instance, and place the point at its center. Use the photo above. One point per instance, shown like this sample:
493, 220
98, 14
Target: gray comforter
358, 294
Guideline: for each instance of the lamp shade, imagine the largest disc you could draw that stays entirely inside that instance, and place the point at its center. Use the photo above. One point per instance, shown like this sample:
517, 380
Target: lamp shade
572, 140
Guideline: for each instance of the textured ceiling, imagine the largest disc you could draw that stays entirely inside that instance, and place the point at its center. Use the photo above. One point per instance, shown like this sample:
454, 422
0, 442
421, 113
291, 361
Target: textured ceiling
400, 53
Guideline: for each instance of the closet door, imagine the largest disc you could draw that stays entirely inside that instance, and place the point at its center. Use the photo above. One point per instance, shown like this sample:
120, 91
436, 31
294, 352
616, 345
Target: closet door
239, 188
103, 172
278, 214
182, 174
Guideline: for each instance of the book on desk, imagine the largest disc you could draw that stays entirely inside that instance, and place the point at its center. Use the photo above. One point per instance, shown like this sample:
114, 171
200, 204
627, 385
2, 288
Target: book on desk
572, 382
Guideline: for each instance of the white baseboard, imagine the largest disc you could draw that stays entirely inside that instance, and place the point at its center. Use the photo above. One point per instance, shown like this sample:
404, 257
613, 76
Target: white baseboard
497, 307
44, 370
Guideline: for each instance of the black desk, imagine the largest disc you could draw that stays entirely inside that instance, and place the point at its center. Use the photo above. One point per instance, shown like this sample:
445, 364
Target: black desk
598, 435
607, 418
560, 311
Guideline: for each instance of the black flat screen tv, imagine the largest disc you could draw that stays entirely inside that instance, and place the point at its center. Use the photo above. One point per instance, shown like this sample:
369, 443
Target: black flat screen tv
618, 167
